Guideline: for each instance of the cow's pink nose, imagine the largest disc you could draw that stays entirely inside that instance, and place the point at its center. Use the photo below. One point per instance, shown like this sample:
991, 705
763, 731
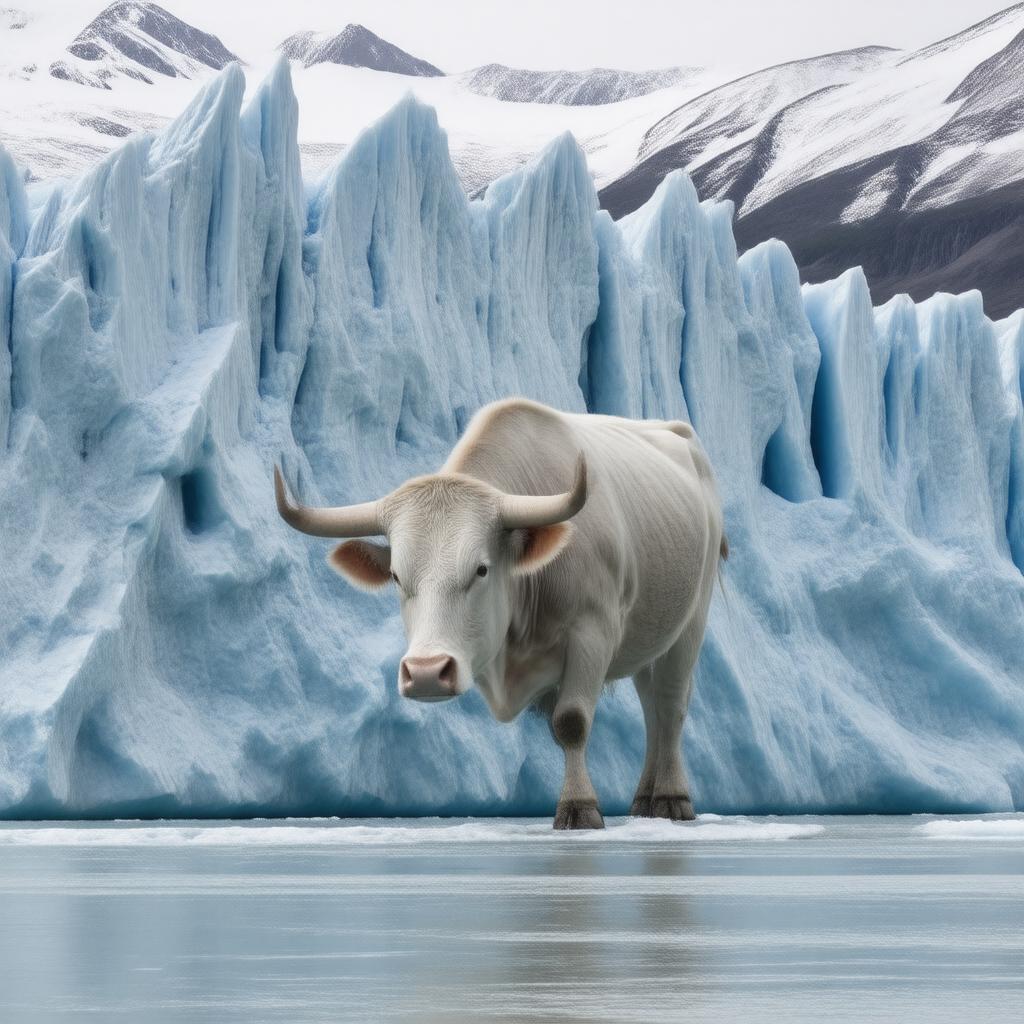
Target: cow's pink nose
434, 678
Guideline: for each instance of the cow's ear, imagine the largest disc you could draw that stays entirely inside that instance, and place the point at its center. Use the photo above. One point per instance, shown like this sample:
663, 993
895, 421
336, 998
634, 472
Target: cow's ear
536, 546
362, 562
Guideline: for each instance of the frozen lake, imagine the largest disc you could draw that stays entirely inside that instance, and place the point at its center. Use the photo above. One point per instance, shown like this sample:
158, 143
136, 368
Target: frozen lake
782, 919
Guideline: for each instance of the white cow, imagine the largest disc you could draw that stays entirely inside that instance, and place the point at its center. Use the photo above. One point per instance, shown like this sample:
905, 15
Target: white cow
500, 589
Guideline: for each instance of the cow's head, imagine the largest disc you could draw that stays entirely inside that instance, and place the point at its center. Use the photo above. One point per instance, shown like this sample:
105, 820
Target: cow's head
454, 547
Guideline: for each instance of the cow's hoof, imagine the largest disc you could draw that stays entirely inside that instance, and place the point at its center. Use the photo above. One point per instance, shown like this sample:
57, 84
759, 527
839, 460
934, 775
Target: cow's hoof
675, 808
571, 814
641, 807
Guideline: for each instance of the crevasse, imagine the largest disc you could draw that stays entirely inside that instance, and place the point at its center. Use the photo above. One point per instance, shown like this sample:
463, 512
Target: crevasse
191, 311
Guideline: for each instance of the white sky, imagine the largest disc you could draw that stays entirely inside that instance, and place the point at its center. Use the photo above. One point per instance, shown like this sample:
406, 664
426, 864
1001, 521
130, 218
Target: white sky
458, 34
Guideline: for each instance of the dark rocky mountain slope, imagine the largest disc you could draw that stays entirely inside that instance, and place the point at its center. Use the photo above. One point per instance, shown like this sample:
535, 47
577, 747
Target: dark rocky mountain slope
357, 47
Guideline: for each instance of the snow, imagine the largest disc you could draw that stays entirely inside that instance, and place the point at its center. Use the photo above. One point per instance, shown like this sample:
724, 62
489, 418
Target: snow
872, 198
760, 136
1006, 828
946, 161
356, 46
13, 19
51, 124
593, 86
190, 311
897, 103
413, 834
739, 109
754, 137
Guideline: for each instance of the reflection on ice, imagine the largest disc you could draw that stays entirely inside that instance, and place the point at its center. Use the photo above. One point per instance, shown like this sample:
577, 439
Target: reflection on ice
503, 921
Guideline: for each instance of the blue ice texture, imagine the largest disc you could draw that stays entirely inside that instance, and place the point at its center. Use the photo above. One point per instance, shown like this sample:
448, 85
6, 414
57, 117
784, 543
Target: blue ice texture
191, 311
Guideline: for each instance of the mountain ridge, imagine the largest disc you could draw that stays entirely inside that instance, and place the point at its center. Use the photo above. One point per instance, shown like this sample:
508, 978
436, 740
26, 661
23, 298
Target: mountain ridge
588, 87
139, 39
859, 163
358, 47
887, 134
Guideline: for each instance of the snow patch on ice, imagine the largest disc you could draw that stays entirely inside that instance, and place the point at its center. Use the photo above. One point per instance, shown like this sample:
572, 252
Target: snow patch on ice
993, 828
708, 828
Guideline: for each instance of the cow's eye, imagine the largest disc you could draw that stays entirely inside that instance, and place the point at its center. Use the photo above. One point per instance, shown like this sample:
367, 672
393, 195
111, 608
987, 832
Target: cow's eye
481, 571
394, 576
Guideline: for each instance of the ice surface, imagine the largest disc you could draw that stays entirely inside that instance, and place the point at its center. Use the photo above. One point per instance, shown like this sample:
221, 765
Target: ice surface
990, 828
189, 311
413, 833
866, 921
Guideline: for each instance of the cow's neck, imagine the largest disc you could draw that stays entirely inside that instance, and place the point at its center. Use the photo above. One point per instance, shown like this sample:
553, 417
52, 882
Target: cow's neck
534, 650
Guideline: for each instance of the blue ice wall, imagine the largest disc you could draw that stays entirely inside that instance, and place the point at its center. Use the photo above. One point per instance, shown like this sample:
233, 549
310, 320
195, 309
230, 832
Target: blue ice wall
13, 228
191, 311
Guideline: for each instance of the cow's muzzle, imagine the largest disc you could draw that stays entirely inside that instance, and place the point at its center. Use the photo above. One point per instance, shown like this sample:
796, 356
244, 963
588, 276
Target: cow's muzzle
429, 679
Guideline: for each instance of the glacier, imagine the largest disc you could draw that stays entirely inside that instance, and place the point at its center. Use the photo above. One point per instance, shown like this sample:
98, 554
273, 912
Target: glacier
192, 310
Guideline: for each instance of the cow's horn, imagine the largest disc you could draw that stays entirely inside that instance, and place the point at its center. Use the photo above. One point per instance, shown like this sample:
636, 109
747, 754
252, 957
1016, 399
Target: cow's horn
341, 521
524, 510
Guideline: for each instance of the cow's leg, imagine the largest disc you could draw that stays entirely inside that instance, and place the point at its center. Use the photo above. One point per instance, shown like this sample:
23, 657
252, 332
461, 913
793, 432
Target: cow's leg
644, 683
571, 719
672, 684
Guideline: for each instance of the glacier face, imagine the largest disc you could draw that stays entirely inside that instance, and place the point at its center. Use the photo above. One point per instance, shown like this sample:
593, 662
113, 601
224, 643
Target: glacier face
191, 311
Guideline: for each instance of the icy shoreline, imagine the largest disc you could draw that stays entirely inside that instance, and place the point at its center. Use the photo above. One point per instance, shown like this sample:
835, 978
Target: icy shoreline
184, 314
434, 831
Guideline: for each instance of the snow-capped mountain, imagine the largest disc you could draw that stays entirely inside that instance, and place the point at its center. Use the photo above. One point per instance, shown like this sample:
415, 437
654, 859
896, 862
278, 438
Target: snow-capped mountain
357, 47
140, 41
594, 87
58, 127
743, 107
909, 164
